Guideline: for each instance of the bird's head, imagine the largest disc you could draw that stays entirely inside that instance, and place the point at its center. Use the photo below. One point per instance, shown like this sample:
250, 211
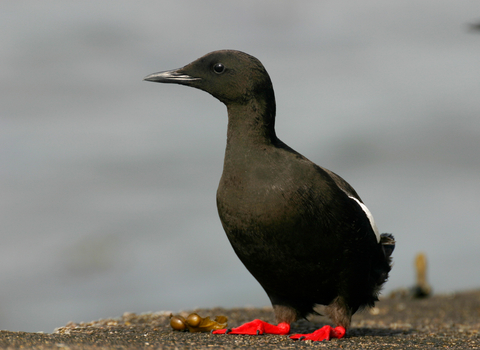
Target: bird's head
230, 76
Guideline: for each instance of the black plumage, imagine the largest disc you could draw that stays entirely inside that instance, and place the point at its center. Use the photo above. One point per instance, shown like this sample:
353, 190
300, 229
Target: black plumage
301, 230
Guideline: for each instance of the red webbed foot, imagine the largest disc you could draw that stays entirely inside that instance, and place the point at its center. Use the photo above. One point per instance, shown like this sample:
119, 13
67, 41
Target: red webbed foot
324, 333
257, 327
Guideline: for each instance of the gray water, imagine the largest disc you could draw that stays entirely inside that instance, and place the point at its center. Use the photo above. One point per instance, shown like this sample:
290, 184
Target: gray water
107, 183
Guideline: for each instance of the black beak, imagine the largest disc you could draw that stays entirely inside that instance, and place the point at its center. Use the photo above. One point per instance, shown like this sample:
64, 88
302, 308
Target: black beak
171, 76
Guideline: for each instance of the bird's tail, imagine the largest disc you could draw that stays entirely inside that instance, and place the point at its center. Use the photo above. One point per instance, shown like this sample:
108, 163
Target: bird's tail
388, 243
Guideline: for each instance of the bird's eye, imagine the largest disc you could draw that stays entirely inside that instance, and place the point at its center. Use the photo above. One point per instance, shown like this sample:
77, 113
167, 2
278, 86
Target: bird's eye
219, 68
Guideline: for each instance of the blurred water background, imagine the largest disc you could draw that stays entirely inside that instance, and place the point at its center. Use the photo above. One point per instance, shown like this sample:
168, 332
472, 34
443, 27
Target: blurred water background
107, 183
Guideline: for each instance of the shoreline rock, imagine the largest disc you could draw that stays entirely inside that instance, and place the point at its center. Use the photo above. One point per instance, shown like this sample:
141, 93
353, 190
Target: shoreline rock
442, 321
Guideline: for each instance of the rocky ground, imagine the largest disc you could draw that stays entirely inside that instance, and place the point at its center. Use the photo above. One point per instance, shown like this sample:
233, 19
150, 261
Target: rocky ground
439, 322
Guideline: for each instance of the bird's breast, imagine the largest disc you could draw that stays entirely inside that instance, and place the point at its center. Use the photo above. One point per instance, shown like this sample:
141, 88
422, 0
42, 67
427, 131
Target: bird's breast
263, 199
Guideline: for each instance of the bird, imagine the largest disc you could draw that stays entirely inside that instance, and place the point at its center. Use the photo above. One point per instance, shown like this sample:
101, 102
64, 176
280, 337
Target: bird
301, 230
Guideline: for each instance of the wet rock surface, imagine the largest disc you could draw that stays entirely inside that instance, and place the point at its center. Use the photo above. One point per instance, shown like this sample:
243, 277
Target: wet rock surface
440, 322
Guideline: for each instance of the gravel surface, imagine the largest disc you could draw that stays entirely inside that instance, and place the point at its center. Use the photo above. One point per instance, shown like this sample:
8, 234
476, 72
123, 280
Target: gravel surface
440, 322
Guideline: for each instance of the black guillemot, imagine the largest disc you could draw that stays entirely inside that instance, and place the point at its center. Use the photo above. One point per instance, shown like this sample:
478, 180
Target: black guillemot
301, 230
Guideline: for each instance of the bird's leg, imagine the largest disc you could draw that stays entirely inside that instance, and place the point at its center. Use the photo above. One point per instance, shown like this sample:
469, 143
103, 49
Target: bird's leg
284, 316
340, 313
257, 327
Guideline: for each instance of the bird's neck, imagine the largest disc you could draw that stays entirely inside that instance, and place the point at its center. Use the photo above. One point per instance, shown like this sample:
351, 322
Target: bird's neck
251, 124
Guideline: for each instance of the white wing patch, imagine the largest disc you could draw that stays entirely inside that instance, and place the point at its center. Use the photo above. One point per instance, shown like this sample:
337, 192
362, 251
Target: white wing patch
369, 216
